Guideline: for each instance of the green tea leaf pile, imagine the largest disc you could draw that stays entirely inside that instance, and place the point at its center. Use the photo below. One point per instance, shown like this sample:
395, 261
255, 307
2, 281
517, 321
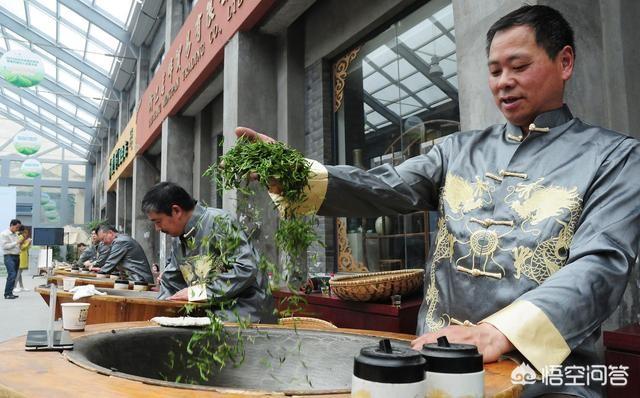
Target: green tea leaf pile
269, 161
273, 163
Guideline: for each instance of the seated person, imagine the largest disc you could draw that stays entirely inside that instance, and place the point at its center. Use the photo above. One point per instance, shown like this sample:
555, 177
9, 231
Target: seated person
96, 254
125, 254
176, 213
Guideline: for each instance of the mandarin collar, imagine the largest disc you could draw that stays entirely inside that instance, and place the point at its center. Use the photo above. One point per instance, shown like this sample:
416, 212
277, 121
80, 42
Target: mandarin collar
193, 223
543, 123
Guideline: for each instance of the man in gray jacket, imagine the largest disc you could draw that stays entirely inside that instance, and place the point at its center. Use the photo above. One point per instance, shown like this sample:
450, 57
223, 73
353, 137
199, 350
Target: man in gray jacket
88, 256
126, 254
235, 285
539, 217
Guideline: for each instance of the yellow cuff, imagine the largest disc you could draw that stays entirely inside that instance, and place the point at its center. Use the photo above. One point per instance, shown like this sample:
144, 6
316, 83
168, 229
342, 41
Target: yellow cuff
532, 333
315, 192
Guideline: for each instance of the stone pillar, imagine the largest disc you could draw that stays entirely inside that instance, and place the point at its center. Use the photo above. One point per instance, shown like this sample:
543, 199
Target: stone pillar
290, 70
110, 208
174, 17
249, 93
123, 112
203, 155
145, 175
176, 163
142, 72
121, 204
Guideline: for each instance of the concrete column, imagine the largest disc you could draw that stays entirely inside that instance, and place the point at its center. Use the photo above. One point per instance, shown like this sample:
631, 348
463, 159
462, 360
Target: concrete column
145, 175
121, 204
110, 208
112, 137
174, 17
290, 79
142, 72
249, 90
177, 151
176, 164
217, 115
128, 204
89, 192
123, 112
203, 155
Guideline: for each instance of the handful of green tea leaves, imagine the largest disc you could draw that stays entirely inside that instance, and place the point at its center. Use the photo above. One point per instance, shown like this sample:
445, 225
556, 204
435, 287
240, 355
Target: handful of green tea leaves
269, 162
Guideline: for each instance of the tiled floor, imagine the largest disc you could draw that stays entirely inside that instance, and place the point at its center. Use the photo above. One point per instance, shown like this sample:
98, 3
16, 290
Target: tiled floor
27, 312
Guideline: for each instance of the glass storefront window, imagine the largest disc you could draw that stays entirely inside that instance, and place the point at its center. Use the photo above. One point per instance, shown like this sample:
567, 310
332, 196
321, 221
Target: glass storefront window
395, 96
24, 203
77, 172
75, 205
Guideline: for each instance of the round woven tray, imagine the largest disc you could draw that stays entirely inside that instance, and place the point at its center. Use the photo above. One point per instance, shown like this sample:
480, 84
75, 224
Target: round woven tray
376, 286
306, 322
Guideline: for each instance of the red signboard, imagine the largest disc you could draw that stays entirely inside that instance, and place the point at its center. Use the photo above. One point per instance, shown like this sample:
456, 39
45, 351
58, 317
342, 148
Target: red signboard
194, 55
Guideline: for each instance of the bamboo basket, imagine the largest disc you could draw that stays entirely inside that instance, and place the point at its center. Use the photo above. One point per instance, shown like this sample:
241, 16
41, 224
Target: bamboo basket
376, 286
306, 322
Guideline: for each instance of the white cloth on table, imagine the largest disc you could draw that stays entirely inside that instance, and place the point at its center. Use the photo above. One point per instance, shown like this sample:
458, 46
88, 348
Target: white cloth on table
85, 291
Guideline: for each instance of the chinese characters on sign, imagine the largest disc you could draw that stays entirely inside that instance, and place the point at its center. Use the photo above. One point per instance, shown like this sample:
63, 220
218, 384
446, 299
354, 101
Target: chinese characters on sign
122, 155
188, 54
573, 375
118, 158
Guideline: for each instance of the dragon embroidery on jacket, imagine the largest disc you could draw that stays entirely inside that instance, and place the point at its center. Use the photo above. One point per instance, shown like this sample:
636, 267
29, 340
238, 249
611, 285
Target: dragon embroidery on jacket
443, 251
534, 204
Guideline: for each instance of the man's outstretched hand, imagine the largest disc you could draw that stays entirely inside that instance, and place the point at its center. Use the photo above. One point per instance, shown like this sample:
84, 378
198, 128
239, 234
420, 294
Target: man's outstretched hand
252, 135
489, 340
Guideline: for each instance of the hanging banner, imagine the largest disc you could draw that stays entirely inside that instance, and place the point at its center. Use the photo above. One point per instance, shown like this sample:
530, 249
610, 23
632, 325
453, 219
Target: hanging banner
21, 68
122, 155
27, 143
31, 168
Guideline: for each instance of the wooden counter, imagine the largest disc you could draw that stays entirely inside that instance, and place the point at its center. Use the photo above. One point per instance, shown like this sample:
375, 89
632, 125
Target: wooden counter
83, 280
74, 273
50, 375
111, 308
357, 314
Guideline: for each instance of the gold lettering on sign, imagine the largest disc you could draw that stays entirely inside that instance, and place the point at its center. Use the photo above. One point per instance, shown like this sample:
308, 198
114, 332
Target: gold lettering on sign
211, 14
233, 8
193, 61
187, 46
169, 71
213, 34
223, 2
197, 27
177, 58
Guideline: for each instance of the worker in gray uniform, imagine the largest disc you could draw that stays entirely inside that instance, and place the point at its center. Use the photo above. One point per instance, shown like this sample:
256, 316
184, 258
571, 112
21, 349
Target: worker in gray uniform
539, 221
238, 287
125, 254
